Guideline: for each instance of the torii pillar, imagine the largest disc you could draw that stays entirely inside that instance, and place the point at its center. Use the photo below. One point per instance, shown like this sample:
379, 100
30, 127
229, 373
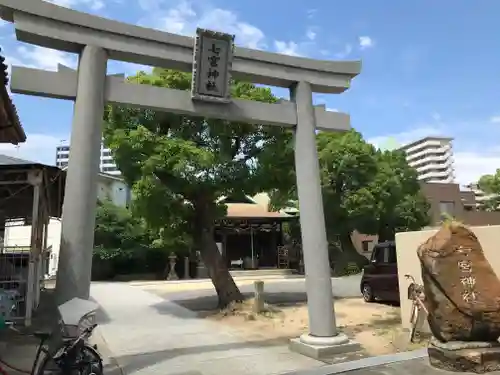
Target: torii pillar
78, 224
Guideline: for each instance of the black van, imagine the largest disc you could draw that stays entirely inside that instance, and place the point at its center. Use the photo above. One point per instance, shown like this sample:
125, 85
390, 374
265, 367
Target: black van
380, 276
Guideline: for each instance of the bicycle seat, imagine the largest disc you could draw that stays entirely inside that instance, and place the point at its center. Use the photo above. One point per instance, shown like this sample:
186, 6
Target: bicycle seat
42, 335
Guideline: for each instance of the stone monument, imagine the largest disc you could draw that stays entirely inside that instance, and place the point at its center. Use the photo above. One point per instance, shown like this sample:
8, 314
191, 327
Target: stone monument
463, 300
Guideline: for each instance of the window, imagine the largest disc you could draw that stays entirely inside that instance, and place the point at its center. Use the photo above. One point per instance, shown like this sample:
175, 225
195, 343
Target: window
367, 245
109, 169
446, 209
378, 254
392, 258
384, 254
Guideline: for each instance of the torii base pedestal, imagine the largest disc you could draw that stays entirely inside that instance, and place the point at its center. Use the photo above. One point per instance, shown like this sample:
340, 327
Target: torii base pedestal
320, 347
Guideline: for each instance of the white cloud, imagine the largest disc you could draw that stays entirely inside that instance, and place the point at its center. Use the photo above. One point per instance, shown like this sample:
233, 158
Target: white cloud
400, 139
365, 42
436, 116
311, 13
345, 52
42, 58
184, 19
287, 48
92, 4
310, 34
470, 166
39, 148
495, 119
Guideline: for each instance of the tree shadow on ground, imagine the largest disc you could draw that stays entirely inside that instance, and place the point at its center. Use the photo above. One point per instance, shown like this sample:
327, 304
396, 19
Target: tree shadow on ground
134, 362
210, 303
205, 303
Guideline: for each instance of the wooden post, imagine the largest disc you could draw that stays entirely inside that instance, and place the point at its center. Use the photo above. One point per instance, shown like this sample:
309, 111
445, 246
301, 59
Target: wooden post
258, 305
35, 180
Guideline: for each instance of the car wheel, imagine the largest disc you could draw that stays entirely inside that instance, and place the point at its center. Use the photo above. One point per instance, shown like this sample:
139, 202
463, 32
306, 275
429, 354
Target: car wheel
368, 293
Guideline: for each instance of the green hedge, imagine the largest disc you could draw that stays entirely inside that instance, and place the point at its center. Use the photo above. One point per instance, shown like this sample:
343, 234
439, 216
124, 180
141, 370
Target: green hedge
107, 263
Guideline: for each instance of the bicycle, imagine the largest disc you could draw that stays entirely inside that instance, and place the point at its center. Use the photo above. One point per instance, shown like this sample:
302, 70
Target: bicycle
416, 294
75, 356
67, 355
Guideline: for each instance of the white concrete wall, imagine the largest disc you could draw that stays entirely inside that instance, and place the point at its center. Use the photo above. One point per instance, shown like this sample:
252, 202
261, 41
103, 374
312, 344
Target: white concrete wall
408, 262
114, 190
20, 236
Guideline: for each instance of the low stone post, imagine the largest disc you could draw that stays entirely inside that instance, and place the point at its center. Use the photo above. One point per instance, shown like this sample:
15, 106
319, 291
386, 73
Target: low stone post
186, 268
258, 305
171, 274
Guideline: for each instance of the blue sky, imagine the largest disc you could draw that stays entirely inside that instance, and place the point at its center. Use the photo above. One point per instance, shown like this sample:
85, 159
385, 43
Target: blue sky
429, 67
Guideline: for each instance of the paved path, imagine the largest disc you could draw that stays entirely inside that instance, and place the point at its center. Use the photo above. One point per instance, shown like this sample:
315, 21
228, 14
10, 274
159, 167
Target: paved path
276, 291
147, 334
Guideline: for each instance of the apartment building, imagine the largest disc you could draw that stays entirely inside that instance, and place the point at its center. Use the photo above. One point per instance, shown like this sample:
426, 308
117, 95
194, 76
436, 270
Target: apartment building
106, 162
480, 196
432, 157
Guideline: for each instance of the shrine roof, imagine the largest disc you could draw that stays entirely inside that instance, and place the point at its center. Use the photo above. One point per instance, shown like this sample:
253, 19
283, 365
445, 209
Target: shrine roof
252, 210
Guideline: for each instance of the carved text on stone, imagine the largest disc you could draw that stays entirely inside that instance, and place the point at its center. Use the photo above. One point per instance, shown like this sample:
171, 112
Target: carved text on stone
465, 265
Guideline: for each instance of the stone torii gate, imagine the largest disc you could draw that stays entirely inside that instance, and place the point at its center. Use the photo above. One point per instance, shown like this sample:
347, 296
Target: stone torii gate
96, 40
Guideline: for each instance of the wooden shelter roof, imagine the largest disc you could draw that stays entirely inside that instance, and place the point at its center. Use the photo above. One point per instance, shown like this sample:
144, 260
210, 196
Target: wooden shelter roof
16, 193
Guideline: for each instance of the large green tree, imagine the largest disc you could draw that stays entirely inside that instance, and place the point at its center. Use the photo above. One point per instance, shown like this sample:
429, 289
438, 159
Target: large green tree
348, 166
179, 165
399, 204
490, 185
367, 190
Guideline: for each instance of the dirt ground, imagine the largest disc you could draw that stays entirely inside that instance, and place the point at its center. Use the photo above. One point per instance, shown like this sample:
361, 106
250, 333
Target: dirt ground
376, 326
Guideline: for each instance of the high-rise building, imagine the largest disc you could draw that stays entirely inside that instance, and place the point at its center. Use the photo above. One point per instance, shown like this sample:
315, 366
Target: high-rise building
432, 157
106, 162
481, 196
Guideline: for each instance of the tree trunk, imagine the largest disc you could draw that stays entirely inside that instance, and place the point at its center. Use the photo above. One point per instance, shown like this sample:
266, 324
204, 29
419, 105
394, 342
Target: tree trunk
386, 234
349, 252
226, 288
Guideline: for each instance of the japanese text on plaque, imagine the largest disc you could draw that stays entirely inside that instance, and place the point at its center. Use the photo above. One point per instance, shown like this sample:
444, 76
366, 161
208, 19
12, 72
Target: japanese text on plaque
213, 69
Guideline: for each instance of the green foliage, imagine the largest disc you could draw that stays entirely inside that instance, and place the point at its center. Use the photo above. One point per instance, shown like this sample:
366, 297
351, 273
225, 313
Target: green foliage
117, 228
490, 185
180, 165
352, 268
106, 254
347, 167
124, 244
399, 203
190, 156
449, 220
364, 189
170, 159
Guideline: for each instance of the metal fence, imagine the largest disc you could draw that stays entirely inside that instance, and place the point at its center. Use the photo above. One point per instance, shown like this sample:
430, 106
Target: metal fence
21, 279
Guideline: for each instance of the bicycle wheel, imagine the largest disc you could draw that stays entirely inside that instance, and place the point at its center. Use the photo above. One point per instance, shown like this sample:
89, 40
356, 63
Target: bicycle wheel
46, 365
93, 361
89, 362
414, 322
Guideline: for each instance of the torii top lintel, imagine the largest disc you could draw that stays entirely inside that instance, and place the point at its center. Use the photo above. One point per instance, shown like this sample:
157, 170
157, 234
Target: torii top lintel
48, 25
